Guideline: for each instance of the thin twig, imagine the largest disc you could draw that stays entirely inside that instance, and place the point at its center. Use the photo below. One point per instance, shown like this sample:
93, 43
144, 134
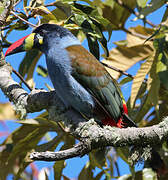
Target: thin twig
122, 72
136, 34
118, 70
51, 4
17, 2
27, 22
21, 78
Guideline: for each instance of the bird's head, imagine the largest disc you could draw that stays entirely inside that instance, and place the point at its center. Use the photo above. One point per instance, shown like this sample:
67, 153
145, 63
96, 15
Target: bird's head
42, 37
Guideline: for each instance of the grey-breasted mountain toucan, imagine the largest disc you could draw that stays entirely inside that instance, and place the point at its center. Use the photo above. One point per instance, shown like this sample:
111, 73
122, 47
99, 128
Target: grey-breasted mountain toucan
79, 79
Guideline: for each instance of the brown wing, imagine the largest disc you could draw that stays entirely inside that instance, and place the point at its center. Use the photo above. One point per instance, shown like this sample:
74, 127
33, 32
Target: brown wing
89, 72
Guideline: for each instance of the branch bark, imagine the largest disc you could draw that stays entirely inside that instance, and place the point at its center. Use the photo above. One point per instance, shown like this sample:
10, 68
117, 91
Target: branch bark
91, 135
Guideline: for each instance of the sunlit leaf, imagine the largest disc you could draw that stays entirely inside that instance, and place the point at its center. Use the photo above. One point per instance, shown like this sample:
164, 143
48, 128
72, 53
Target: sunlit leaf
44, 174
36, 3
7, 112
125, 80
151, 99
44, 12
142, 3
1, 8
124, 57
139, 78
42, 71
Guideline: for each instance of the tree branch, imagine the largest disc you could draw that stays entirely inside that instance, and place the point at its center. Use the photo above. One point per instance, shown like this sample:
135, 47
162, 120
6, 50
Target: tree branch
91, 135
78, 150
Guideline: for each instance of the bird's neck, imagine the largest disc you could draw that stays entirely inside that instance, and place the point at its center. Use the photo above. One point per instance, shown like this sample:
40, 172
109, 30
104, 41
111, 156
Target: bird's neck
69, 41
56, 54
59, 43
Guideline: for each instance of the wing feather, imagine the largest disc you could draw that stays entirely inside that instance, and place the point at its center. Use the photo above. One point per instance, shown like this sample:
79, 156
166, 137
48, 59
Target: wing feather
89, 72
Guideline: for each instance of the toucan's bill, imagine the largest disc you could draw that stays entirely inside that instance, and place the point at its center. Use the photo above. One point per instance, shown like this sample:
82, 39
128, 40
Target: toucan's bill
24, 44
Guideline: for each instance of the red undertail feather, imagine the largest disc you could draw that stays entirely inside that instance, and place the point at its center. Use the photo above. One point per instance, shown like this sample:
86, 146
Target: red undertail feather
125, 109
111, 122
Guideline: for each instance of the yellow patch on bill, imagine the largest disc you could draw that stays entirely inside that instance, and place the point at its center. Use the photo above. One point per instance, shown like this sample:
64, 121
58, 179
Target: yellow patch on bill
29, 42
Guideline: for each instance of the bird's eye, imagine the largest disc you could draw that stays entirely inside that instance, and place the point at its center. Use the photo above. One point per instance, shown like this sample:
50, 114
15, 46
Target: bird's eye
38, 40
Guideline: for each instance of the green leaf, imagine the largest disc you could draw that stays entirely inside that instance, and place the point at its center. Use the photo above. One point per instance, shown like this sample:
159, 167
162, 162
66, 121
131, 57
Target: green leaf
153, 85
142, 3
141, 111
44, 12
123, 153
50, 145
58, 168
120, 15
163, 78
93, 46
153, 5
86, 172
125, 80
27, 143
1, 9
28, 61
99, 175
42, 71
16, 146
98, 158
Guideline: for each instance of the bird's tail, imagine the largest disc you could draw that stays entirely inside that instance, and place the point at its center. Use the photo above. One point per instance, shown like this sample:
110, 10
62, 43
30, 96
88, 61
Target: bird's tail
127, 121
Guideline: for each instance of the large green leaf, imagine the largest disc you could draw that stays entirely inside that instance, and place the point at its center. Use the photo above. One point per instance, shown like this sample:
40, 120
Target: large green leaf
28, 61
16, 146
116, 13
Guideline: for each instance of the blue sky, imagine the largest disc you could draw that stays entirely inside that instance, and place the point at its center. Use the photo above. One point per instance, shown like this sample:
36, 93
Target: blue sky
74, 165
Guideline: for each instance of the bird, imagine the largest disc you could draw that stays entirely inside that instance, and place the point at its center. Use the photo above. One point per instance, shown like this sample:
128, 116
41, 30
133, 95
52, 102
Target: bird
79, 79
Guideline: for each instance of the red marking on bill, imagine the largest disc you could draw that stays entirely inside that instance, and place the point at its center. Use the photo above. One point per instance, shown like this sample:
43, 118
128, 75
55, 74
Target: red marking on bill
15, 45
